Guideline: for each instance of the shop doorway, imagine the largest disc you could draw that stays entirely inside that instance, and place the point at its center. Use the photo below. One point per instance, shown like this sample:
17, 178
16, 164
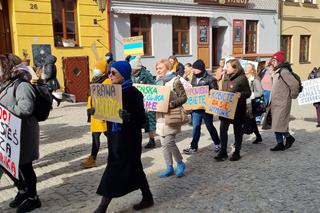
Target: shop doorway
218, 42
5, 34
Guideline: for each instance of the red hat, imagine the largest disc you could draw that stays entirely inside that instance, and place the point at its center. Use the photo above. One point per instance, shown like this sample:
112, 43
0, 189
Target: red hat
279, 56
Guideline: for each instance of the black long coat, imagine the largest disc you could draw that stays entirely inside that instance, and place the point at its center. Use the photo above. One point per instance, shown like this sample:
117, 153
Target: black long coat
50, 71
237, 82
124, 172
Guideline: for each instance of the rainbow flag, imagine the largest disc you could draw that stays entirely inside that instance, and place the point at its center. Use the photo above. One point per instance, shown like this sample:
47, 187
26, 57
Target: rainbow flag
133, 46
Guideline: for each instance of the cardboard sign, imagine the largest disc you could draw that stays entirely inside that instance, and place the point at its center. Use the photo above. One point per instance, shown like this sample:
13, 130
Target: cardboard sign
107, 101
222, 103
10, 126
196, 98
310, 93
186, 84
156, 98
133, 45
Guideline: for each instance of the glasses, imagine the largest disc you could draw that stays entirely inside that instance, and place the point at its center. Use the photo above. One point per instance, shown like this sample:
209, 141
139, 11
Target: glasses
114, 73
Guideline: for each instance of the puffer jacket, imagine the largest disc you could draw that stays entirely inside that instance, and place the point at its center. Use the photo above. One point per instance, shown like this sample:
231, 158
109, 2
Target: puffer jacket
205, 80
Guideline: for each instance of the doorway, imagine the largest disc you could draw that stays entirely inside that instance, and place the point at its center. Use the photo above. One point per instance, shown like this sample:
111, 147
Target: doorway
5, 34
218, 43
76, 73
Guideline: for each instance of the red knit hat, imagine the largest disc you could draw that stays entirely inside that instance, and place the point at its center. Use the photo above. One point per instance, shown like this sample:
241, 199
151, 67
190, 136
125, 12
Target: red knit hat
279, 56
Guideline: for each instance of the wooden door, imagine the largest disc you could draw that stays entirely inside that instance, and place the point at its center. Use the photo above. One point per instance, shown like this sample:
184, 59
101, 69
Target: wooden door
5, 35
76, 74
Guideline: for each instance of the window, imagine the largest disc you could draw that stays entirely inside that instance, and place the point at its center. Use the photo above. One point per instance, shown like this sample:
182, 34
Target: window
64, 16
304, 48
180, 29
308, 1
141, 25
251, 36
286, 46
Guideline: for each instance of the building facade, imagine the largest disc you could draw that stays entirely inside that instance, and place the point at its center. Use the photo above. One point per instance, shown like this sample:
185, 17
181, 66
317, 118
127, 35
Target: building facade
192, 29
66, 28
300, 29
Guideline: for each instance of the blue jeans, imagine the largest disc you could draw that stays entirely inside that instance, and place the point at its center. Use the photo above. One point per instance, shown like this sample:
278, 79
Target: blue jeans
266, 96
280, 136
197, 116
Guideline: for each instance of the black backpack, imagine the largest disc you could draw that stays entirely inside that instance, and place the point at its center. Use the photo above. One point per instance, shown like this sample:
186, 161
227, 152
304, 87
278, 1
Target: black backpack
295, 75
43, 101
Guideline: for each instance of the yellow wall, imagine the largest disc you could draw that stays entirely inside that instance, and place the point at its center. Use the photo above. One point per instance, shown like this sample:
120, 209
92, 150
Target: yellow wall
34, 26
302, 19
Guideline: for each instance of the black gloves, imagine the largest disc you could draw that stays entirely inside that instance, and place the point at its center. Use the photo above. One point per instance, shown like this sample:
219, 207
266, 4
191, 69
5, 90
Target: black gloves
90, 112
124, 115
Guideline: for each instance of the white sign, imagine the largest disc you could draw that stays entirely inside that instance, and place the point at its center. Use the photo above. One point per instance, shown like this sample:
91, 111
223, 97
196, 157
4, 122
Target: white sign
10, 127
310, 93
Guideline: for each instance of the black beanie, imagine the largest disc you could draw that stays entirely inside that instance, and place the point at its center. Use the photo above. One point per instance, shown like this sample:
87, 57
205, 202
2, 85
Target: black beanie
199, 64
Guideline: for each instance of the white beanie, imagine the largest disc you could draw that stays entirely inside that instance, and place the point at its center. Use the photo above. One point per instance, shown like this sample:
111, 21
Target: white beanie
136, 63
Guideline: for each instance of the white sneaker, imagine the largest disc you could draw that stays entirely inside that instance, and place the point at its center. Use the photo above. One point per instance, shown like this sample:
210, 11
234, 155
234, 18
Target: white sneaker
217, 148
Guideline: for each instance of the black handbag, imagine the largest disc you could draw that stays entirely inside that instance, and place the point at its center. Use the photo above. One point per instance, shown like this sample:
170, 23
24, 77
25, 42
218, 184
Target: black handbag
258, 106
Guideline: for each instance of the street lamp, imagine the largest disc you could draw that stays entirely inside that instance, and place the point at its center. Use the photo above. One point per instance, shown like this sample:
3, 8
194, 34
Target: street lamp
102, 4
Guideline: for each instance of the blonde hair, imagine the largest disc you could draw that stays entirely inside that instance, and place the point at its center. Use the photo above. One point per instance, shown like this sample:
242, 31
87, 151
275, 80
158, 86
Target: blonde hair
235, 64
165, 62
254, 71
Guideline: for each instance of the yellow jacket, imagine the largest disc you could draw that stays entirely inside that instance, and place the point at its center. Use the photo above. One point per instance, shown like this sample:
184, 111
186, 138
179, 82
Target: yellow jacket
97, 125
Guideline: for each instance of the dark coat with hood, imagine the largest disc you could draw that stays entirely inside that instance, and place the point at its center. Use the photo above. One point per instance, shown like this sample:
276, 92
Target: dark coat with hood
50, 73
205, 79
124, 172
238, 83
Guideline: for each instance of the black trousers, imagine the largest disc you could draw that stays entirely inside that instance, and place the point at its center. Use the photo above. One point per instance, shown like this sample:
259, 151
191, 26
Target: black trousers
96, 143
27, 179
237, 128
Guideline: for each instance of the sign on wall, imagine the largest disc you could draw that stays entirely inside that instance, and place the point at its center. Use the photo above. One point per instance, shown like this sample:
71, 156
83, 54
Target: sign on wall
156, 98
222, 103
310, 93
107, 101
10, 126
203, 30
133, 46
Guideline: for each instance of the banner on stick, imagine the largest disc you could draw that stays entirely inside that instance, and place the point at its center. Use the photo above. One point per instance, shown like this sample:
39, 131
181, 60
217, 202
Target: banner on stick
133, 46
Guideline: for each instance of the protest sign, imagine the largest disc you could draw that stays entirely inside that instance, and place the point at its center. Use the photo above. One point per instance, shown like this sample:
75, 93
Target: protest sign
196, 98
310, 93
10, 126
245, 62
107, 101
133, 45
222, 103
156, 98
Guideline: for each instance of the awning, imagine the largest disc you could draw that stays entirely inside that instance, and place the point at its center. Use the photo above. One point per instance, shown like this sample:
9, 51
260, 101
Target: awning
161, 11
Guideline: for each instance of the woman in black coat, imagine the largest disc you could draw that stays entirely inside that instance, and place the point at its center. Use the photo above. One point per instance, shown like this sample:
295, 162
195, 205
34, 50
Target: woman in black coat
234, 81
50, 76
124, 172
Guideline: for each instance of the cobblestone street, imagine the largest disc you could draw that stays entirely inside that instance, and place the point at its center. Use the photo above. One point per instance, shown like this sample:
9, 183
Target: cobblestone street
262, 181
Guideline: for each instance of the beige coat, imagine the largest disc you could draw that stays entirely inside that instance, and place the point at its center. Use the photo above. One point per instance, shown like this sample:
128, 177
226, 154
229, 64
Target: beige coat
177, 98
281, 98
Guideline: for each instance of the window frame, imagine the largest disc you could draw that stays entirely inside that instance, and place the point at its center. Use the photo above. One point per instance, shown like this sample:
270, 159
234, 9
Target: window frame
65, 23
180, 31
288, 50
141, 29
307, 51
249, 32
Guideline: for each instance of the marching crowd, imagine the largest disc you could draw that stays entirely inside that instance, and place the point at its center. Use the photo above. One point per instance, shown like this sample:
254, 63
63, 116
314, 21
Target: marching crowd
275, 86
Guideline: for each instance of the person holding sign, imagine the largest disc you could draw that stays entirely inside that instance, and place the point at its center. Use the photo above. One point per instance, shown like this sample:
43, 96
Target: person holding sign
141, 75
234, 81
315, 73
97, 126
21, 102
202, 78
168, 132
124, 171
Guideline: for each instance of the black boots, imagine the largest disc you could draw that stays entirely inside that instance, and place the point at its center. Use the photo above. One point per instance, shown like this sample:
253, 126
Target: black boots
222, 155
145, 203
235, 156
29, 204
289, 141
151, 144
257, 140
19, 198
278, 147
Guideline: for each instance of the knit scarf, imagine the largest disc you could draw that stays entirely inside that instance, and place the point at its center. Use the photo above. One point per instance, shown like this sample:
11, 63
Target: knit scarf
165, 79
116, 127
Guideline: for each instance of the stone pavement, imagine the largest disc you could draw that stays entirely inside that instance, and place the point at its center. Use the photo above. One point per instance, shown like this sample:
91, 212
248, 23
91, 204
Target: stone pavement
261, 181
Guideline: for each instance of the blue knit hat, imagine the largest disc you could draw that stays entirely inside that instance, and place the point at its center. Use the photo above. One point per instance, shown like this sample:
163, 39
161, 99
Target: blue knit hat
123, 68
